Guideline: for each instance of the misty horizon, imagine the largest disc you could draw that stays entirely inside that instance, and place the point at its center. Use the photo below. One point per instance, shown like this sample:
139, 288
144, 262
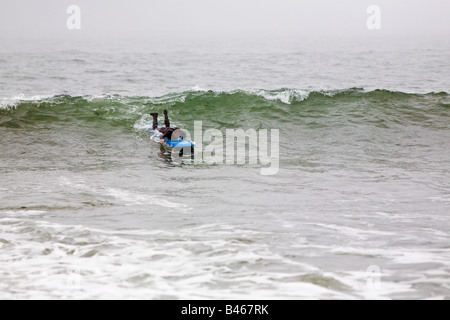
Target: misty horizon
206, 19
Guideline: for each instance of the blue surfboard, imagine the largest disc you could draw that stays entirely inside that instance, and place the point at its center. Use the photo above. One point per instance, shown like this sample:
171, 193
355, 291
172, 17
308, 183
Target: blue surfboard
180, 143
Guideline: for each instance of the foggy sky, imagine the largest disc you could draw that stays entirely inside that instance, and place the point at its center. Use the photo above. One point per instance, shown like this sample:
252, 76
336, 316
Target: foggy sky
199, 18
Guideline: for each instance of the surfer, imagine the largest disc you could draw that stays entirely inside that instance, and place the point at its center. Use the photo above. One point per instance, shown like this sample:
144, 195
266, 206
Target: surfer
166, 131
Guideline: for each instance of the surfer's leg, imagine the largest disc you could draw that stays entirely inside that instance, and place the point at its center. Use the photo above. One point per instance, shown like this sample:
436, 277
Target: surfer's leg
166, 119
155, 120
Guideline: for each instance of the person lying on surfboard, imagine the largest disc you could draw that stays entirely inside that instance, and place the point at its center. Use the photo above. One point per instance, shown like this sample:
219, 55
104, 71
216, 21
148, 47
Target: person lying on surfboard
166, 131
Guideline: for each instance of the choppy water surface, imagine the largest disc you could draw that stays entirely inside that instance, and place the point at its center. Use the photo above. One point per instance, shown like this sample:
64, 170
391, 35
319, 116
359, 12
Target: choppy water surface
90, 207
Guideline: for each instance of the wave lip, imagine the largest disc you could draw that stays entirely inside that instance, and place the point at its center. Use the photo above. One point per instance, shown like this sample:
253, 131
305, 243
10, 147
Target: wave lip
13, 102
284, 95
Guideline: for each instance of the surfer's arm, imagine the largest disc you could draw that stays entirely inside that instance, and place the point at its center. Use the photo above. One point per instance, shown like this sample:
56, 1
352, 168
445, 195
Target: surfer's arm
167, 134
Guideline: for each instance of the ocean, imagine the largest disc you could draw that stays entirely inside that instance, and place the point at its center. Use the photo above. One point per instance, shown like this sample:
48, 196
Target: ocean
358, 208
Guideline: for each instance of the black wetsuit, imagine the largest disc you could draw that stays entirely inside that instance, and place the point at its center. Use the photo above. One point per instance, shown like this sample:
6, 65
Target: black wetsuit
166, 131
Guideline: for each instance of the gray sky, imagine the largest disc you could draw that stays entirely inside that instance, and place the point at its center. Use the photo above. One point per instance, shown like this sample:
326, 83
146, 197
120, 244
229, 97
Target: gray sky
199, 18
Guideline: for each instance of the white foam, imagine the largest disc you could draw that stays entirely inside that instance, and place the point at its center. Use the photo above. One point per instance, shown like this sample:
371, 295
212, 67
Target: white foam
355, 232
439, 199
143, 124
52, 260
137, 198
420, 256
286, 96
198, 89
57, 267
128, 197
400, 255
23, 212
13, 102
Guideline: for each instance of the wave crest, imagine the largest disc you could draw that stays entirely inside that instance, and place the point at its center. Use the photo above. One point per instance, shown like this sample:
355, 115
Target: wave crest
220, 107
